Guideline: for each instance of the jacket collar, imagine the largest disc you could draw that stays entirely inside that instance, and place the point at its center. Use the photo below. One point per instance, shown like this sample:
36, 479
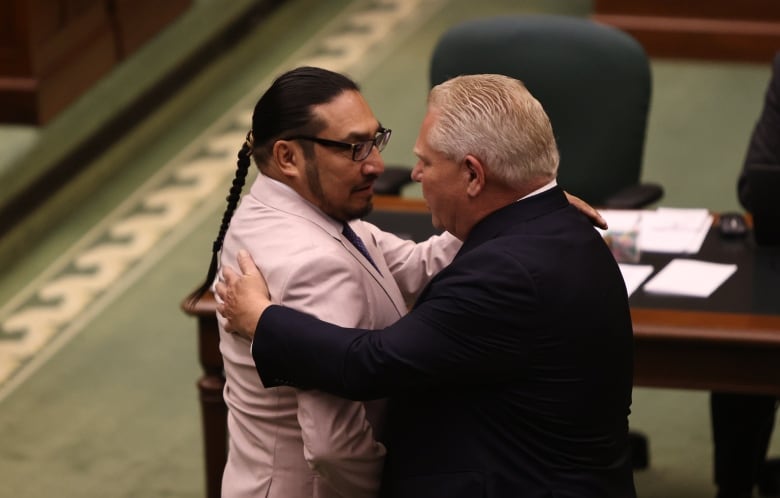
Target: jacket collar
514, 214
281, 197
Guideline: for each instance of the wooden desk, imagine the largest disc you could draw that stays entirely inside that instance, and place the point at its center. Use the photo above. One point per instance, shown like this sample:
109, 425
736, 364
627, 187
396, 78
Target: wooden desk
747, 30
731, 352
53, 51
729, 342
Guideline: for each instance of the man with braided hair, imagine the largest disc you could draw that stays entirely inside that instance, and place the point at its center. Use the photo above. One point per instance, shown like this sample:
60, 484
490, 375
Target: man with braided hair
316, 143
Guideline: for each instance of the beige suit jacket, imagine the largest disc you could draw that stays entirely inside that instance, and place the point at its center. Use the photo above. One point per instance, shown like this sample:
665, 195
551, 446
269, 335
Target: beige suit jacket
291, 443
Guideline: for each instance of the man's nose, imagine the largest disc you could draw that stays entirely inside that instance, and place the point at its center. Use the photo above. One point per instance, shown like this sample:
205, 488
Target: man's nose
417, 173
374, 164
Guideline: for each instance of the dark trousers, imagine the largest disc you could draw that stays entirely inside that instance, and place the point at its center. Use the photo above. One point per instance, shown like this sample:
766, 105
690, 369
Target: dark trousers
741, 428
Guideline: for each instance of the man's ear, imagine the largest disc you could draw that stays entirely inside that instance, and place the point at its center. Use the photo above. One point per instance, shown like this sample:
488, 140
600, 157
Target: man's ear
476, 175
288, 157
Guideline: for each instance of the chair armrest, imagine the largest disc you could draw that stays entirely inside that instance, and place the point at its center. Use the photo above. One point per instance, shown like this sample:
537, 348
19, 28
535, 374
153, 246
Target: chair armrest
635, 196
393, 180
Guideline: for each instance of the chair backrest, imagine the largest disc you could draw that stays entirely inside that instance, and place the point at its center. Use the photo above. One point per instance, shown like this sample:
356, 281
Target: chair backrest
593, 81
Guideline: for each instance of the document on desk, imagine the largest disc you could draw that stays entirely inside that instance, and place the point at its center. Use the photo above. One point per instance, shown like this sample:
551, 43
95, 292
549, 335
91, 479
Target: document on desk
674, 230
634, 275
664, 230
689, 277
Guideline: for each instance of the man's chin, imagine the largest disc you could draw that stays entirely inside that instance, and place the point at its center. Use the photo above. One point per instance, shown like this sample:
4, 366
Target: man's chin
366, 209
361, 212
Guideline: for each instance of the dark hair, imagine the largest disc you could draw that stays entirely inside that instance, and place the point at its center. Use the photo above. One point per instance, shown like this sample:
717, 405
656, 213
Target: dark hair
286, 108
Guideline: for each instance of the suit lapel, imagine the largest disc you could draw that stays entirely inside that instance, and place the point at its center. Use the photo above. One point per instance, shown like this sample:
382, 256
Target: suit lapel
280, 197
384, 279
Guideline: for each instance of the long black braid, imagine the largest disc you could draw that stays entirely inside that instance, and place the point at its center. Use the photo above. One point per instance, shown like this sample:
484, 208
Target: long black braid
284, 109
242, 169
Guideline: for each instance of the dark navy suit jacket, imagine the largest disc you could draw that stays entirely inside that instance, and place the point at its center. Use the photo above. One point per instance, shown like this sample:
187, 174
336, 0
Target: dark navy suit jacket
512, 375
764, 147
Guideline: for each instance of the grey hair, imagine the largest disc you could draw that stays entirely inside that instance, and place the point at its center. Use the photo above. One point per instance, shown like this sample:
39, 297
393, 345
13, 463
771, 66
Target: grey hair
496, 119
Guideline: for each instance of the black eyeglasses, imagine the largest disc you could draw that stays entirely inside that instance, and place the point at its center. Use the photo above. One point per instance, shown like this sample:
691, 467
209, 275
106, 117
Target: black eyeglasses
360, 150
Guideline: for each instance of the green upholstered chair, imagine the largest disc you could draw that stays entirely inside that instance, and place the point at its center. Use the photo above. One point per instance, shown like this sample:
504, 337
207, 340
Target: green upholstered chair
593, 81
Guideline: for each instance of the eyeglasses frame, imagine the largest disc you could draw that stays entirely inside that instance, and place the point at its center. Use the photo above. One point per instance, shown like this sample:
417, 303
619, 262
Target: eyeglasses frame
380, 134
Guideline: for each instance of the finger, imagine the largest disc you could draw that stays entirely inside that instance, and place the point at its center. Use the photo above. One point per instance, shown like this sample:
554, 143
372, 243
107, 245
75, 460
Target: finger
246, 263
588, 210
228, 275
595, 217
220, 289
599, 220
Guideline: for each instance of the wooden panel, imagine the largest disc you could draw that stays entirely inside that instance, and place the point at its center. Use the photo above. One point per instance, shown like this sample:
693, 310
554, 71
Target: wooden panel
137, 21
718, 367
65, 83
56, 50
52, 51
729, 352
748, 30
6, 24
74, 38
14, 46
759, 10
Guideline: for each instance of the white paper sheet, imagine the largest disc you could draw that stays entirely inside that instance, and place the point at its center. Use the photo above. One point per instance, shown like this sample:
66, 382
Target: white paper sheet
674, 230
664, 230
689, 277
634, 275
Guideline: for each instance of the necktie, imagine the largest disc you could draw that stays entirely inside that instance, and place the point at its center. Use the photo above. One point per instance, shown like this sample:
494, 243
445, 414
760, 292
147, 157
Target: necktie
358, 243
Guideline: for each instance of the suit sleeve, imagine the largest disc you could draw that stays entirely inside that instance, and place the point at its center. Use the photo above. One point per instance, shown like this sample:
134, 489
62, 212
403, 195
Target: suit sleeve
764, 146
414, 264
339, 442
455, 336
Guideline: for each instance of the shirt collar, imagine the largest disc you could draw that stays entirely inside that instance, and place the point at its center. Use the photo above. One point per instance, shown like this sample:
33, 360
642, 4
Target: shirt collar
544, 188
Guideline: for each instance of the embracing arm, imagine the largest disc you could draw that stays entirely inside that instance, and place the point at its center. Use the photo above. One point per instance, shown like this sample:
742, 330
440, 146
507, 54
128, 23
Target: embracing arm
429, 348
414, 264
442, 341
353, 363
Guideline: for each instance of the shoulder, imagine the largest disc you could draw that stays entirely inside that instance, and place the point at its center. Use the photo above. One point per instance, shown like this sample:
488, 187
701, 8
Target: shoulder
776, 64
287, 248
774, 83
279, 231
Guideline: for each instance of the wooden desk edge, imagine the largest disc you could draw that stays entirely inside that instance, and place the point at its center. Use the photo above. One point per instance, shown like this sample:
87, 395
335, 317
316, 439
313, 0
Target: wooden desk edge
705, 326
404, 204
